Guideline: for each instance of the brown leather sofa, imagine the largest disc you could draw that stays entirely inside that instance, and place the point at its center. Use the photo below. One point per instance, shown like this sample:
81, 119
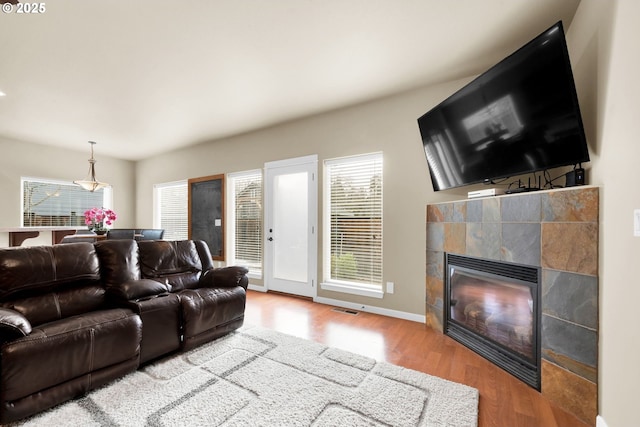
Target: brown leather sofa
74, 317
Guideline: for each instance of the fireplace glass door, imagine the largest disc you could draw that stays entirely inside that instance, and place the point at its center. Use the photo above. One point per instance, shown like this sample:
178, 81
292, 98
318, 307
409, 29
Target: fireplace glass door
493, 309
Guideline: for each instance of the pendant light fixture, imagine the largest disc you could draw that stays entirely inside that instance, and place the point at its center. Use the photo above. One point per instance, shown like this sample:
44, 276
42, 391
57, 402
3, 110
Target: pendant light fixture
90, 183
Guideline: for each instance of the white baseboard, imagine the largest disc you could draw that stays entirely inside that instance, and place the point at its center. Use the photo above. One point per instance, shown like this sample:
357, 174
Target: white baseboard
369, 309
372, 309
600, 422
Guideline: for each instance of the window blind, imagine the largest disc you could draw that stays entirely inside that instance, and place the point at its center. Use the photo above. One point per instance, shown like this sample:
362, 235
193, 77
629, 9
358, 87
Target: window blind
49, 203
172, 210
355, 219
247, 220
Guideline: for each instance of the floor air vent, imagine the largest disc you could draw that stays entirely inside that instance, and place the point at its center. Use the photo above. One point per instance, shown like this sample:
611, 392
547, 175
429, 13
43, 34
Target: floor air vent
345, 311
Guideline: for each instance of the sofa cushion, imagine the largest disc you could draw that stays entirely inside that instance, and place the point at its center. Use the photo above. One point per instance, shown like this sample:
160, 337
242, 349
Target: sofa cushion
205, 254
47, 283
26, 271
62, 303
207, 308
60, 351
119, 261
177, 261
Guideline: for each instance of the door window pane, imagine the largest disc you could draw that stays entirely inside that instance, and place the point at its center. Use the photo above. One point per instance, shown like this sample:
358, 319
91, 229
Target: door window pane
291, 227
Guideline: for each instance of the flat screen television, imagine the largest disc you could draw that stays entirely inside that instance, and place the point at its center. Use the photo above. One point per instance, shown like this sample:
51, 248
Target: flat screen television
521, 116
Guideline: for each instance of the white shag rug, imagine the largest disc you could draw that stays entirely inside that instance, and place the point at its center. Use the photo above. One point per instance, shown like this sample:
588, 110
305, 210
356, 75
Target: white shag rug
260, 377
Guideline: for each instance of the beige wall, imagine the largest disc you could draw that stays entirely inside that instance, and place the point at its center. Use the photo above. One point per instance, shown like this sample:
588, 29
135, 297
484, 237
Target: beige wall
387, 125
605, 36
20, 159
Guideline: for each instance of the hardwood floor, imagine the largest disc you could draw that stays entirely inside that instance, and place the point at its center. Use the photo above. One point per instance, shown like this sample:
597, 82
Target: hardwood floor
504, 400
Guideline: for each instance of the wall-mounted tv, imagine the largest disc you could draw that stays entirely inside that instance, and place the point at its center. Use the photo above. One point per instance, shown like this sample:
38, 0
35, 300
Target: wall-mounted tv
521, 116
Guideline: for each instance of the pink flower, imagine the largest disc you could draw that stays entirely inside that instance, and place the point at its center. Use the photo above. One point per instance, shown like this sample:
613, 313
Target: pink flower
96, 218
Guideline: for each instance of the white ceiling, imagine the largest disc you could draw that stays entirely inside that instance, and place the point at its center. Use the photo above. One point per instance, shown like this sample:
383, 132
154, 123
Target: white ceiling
142, 77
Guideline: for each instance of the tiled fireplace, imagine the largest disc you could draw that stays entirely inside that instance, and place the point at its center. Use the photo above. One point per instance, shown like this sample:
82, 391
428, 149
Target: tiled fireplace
493, 307
556, 231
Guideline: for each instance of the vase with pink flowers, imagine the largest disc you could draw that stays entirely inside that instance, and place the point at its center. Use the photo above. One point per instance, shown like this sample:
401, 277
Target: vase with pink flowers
96, 219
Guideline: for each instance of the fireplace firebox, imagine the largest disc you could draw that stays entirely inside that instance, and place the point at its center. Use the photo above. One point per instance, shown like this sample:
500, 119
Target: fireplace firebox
493, 307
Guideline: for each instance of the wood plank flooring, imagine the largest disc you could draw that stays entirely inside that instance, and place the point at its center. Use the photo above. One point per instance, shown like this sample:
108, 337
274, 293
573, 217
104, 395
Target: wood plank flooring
504, 400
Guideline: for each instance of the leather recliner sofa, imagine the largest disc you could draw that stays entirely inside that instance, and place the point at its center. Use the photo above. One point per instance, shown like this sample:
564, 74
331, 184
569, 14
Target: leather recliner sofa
74, 317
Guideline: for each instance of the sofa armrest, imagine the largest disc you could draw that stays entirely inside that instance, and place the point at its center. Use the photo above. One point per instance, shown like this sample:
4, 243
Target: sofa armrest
225, 277
137, 290
13, 325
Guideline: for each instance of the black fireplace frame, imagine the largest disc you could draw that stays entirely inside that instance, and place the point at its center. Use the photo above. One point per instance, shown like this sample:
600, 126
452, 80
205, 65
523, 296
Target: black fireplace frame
502, 356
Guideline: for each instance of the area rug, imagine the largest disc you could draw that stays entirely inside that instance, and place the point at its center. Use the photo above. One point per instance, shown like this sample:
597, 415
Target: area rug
260, 377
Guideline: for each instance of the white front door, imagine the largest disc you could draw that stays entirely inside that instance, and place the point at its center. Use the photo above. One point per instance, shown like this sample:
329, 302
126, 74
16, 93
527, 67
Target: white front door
290, 225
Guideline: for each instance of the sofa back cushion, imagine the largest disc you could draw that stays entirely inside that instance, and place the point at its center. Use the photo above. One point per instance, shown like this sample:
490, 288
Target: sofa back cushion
63, 303
119, 261
176, 263
46, 283
205, 254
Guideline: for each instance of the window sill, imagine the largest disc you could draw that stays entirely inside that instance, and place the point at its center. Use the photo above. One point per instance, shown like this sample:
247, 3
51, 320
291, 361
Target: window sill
362, 290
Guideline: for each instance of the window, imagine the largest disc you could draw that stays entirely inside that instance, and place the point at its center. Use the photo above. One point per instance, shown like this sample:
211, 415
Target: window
353, 225
245, 220
172, 210
49, 203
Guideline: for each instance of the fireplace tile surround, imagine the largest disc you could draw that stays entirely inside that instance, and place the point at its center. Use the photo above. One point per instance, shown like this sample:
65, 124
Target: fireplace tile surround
556, 230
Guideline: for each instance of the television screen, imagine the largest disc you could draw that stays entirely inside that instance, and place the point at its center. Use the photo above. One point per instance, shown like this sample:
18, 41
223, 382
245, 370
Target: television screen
520, 116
